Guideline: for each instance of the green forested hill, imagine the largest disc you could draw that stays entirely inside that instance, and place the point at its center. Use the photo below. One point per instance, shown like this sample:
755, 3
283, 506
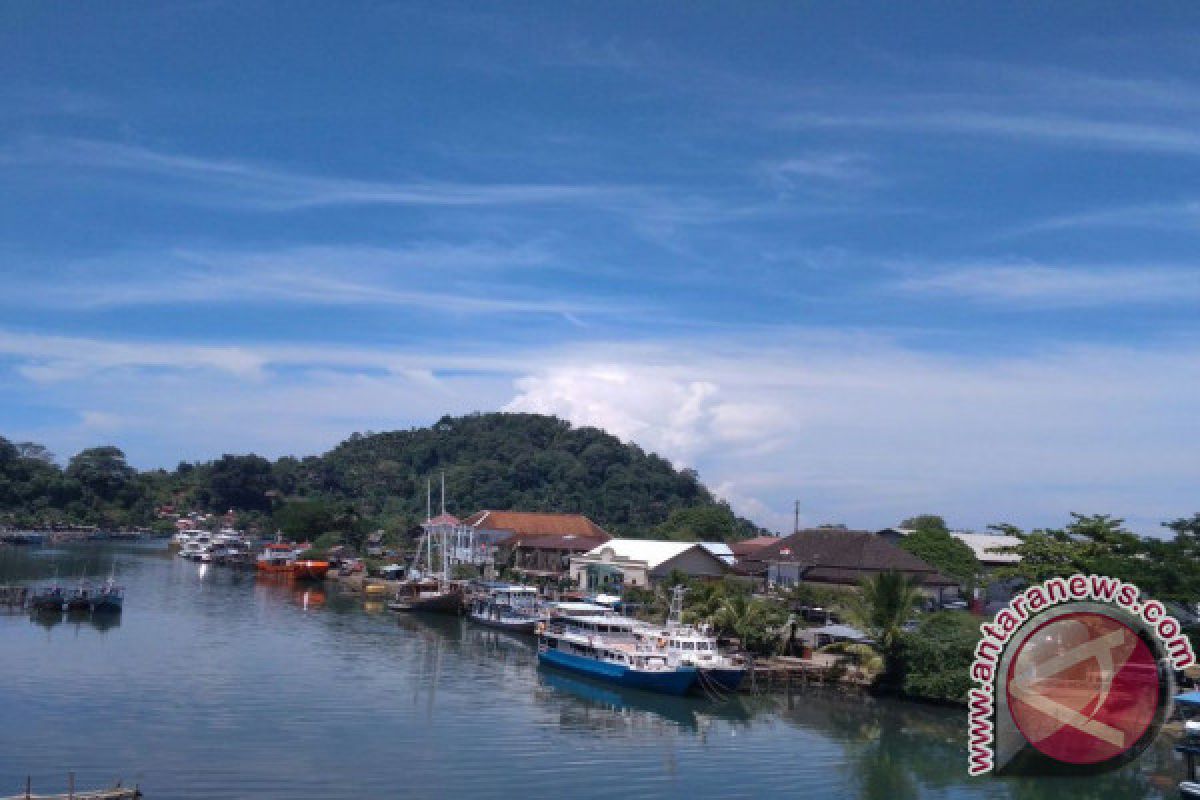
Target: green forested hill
498, 460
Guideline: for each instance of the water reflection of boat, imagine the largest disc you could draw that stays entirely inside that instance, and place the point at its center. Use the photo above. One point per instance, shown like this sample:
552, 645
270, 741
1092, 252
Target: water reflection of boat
622, 703
47, 617
310, 598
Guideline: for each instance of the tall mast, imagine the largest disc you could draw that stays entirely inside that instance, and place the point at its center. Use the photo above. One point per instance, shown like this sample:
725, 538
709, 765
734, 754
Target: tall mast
428, 499
443, 492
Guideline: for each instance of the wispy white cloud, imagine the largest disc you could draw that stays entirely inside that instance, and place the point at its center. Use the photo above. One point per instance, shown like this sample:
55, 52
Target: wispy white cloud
232, 182
1059, 129
820, 170
1180, 216
452, 279
1041, 286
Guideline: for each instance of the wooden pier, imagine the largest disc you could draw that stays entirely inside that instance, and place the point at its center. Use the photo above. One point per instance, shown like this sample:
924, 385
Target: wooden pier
117, 792
781, 674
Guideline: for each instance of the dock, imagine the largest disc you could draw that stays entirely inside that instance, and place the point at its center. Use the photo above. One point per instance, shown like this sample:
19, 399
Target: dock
117, 792
781, 674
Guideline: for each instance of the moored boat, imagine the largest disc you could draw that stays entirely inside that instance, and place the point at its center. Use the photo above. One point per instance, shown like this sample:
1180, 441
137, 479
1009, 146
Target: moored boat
80, 598
716, 671
606, 648
508, 607
50, 598
277, 558
430, 595
109, 598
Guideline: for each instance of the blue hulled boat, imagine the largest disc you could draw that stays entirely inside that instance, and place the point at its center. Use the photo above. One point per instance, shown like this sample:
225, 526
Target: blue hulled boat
109, 599
606, 648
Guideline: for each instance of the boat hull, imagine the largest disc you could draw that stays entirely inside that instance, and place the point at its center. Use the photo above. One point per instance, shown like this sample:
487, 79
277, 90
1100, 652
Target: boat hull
46, 604
672, 682
450, 603
513, 625
107, 604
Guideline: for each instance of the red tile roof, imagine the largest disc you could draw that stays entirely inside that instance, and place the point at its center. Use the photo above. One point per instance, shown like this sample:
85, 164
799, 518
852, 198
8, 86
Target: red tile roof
537, 523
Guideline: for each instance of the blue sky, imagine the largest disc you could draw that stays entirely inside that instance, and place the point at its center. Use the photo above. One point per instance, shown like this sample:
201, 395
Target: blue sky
886, 260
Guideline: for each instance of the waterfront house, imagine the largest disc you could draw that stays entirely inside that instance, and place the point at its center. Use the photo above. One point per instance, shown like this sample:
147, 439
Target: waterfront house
640, 562
839, 557
538, 544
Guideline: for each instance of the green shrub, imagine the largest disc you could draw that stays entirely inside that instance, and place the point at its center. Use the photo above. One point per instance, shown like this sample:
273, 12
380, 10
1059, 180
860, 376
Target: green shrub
937, 657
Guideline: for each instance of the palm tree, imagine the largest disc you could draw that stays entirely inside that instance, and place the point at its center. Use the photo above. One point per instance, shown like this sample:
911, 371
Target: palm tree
887, 601
751, 620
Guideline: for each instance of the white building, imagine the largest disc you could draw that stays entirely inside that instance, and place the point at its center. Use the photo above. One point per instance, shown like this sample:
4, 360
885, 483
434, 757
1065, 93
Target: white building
640, 562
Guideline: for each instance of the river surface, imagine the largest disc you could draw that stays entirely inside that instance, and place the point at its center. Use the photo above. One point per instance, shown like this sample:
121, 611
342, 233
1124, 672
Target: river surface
215, 684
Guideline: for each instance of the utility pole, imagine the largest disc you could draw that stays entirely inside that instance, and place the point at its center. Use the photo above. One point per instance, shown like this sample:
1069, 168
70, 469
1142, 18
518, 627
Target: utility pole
796, 524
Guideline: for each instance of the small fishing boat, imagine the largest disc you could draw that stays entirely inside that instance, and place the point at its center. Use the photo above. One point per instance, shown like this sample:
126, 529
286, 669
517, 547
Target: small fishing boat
109, 598
607, 648
80, 598
192, 549
508, 607
50, 598
277, 558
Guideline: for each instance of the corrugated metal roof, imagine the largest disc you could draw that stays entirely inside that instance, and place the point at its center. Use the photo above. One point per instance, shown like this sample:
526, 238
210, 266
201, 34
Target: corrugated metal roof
720, 550
654, 552
982, 544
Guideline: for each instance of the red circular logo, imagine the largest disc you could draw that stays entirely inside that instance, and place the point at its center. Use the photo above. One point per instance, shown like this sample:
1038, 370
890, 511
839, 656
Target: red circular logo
1083, 688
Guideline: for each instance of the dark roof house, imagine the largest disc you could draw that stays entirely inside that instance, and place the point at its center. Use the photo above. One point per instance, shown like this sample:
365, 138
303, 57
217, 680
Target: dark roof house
837, 556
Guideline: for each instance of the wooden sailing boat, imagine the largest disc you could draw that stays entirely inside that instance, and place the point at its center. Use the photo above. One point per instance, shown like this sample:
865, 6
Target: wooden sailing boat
430, 590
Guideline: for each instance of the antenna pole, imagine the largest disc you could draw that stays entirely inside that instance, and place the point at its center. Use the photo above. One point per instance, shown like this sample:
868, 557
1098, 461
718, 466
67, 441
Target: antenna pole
796, 524
443, 492
428, 499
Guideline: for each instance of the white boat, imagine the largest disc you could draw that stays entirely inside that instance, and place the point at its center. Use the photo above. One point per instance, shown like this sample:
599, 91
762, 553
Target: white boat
192, 549
696, 647
609, 648
508, 607
188, 535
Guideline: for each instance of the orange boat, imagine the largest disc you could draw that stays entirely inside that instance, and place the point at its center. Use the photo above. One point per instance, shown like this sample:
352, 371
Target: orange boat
277, 558
310, 570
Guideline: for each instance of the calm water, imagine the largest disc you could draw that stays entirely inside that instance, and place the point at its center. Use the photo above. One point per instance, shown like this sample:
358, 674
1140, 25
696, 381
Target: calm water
218, 685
